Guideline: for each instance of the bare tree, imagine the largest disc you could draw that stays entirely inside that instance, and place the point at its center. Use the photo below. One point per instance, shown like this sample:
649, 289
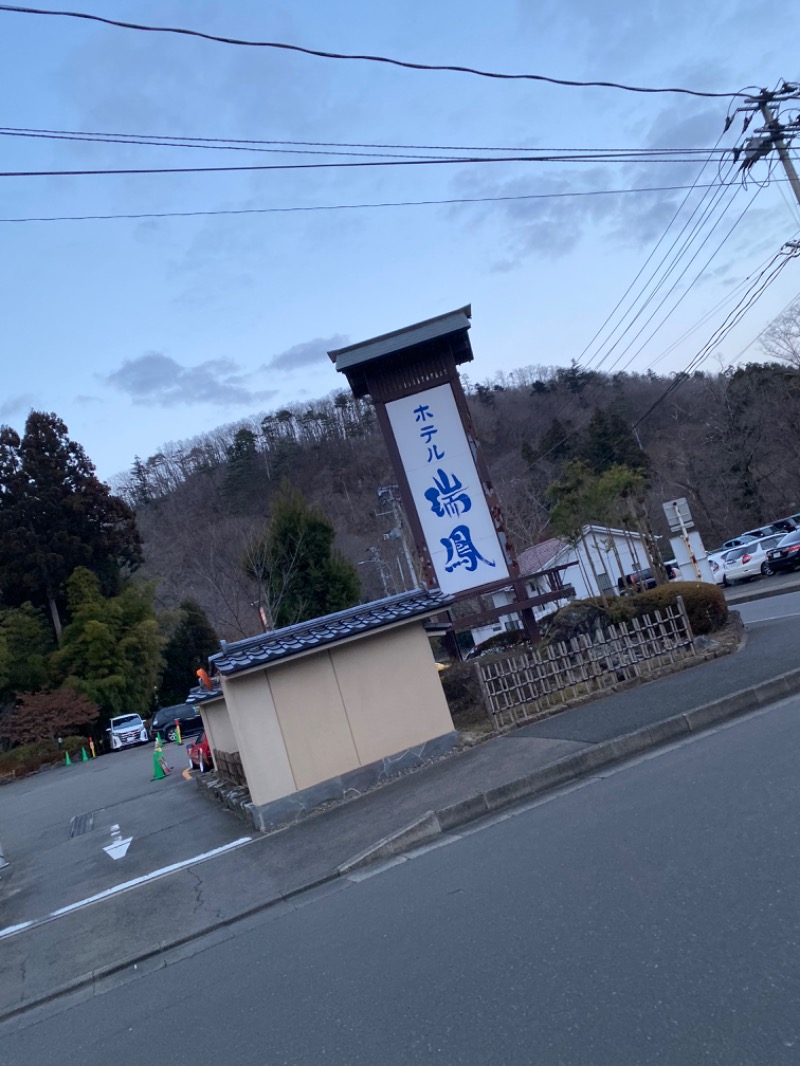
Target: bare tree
781, 340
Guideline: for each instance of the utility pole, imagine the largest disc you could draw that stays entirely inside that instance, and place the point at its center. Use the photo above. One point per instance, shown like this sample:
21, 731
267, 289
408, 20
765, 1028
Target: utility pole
774, 133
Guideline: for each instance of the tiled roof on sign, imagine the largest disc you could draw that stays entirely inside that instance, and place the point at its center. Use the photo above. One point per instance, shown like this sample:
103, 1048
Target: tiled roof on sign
283, 643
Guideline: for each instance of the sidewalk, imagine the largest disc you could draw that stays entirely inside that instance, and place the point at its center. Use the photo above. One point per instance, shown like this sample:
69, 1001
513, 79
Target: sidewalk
91, 950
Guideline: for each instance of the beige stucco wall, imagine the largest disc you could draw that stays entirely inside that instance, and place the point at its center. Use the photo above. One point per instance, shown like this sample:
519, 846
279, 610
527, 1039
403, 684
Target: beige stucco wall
319, 715
313, 719
259, 740
391, 688
218, 727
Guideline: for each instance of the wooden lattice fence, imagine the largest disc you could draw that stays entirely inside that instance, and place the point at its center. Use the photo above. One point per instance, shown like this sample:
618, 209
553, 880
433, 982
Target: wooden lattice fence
523, 686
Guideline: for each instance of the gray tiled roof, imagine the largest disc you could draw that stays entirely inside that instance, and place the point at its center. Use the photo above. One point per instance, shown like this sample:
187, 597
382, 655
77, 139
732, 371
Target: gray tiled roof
283, 643
201, 694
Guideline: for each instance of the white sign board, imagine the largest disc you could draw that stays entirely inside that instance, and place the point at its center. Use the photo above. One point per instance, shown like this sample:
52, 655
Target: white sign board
678, 515
690, 555
455, 518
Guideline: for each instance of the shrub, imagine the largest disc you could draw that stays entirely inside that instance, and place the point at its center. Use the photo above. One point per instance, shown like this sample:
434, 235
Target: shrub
462, 691
705, 603
28, 758
705, 606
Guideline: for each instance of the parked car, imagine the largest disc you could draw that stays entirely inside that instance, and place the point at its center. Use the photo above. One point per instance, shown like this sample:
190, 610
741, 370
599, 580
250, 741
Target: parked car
163, 722
639, 580
737, 542
716, 560
200, 754
743, 564
786, 553
126, 730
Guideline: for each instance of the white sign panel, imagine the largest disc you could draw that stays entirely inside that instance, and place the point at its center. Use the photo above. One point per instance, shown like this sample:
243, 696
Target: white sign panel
678, 515
447, 493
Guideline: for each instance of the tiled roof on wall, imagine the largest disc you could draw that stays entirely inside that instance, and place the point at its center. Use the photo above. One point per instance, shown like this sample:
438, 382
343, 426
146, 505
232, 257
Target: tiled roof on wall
283, 643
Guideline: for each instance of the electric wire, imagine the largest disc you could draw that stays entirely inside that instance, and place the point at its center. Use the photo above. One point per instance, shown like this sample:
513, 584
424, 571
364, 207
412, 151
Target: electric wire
351, 207
320, 54
338, 165
252, 145
678, 280
755, 292
612, 313
694, 226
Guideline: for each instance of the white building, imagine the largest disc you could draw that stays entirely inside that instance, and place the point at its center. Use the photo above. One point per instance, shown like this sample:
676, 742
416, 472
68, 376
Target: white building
593, 565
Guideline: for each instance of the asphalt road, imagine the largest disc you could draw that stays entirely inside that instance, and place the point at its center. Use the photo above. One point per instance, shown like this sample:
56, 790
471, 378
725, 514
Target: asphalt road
167, 822
645, 916
775, 608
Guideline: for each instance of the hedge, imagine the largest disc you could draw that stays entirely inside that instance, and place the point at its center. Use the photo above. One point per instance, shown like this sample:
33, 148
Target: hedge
705, 604
28, 758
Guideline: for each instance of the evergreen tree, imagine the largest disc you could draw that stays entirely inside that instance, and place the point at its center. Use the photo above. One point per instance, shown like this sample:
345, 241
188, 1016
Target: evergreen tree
186, 651
26, 643
111, 650
609, 442
242, 457
299, 573
55, 515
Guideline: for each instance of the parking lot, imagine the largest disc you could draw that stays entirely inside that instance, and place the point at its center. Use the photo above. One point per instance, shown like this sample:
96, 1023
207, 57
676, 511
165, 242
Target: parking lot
56, 824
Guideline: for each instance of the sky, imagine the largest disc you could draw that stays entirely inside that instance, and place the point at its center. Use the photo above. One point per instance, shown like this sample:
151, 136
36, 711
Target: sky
143, 331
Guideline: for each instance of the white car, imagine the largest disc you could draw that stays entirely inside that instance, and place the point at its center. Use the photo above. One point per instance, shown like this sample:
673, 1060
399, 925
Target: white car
126, 730
746, 562
715, 561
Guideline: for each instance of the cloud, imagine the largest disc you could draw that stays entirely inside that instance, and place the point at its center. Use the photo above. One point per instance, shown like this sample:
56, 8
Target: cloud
16, 404
309, 353
84, 399
155, 378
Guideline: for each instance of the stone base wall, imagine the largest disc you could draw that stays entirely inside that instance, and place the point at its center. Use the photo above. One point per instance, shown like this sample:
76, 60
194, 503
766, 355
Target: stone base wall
288, 809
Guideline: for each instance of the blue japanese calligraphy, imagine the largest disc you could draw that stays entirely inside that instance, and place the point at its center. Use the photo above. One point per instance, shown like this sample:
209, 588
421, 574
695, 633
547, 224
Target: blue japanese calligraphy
447, 497
461, 551
422, 413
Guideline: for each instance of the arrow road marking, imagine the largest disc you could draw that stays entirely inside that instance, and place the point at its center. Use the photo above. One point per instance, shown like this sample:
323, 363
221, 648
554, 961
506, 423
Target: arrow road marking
118, 847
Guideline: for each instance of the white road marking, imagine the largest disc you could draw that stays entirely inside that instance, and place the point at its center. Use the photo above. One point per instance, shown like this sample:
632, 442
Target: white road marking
118, 847
107, 893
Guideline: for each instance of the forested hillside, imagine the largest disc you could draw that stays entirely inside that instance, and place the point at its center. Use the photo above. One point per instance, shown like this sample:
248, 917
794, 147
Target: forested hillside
728, 441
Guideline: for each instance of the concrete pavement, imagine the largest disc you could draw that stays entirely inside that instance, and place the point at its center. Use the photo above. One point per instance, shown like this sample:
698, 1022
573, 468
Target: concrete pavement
88, 949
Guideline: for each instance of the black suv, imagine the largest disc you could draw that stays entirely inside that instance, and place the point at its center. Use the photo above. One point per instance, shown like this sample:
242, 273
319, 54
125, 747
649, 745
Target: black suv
163, 722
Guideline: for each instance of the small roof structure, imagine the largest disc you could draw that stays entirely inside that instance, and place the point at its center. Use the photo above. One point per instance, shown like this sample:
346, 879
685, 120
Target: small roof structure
536, 558
281, 644
447, 332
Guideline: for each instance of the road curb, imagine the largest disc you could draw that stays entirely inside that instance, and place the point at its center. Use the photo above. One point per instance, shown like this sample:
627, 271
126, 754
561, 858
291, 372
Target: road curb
426, 829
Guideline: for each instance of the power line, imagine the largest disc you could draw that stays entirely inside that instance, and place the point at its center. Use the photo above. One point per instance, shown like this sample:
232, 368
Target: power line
244, 144
282, 46
353, 207
757, 289
673, 220
680, 277
105, 171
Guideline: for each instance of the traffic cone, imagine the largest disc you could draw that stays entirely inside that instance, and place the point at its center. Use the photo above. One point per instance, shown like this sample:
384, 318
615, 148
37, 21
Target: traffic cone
84, 756
178, 731
159, 742
91, 747
158, 769
67, 760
